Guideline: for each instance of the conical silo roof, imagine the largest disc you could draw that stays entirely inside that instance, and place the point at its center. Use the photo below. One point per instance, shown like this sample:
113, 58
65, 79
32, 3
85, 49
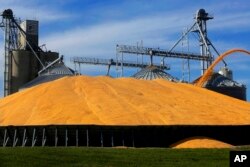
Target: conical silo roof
56, 71
152, 72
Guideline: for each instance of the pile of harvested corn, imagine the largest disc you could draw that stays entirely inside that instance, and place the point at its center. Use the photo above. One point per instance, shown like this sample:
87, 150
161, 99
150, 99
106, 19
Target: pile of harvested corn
200, 142
123, 101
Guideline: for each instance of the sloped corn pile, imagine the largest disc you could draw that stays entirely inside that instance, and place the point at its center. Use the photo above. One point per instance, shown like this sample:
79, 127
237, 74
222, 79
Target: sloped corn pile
123, 101
200, 142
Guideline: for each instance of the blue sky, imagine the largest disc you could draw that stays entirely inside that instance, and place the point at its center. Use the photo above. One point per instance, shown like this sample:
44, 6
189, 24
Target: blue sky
93, 28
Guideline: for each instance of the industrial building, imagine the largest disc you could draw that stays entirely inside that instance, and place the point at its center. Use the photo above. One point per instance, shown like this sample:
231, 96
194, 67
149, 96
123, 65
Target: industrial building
223, 82
24, 59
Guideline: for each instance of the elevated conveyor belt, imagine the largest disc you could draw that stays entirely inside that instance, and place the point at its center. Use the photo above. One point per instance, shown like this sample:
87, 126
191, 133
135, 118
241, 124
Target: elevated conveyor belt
159, 52
111, 62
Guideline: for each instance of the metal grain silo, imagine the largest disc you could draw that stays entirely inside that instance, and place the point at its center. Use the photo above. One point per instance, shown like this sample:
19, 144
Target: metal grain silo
24, 68
152, 72
223, 82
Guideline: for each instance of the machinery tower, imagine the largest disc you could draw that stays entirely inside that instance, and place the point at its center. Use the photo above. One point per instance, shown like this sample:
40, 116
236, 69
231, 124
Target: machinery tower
201, 21
22, 56
10, 43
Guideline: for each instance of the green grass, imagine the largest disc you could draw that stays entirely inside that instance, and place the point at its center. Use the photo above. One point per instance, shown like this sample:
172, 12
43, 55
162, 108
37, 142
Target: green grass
99, 157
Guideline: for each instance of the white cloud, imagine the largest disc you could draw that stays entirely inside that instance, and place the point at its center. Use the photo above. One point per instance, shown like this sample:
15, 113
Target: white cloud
31, 10
234, 21
101, 39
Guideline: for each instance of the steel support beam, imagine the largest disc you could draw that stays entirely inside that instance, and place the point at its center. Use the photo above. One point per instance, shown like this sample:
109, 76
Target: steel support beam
87, 137
56, 137
123, 142
34, 138
112, 140
15, 138
44, 138
133, 139
66, 137
24, 138
77, 139
101, 140
5, 138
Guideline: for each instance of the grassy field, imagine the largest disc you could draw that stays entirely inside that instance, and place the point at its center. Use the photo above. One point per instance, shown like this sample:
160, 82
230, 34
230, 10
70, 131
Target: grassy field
128, 157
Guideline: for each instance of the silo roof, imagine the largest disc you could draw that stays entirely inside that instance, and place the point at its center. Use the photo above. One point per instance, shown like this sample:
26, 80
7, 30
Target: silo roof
58, 69
152, 72
218, 80
54, 72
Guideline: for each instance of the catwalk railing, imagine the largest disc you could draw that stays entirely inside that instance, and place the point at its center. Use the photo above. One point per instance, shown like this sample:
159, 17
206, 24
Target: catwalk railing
113, 136
159, 52
111, 62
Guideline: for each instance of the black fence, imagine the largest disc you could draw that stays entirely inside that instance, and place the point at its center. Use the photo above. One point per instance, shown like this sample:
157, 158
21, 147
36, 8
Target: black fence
112, 136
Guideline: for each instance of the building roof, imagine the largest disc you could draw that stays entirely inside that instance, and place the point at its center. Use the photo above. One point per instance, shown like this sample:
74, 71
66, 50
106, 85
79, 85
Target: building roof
218, 80
58, 69
52, 73
152, 72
